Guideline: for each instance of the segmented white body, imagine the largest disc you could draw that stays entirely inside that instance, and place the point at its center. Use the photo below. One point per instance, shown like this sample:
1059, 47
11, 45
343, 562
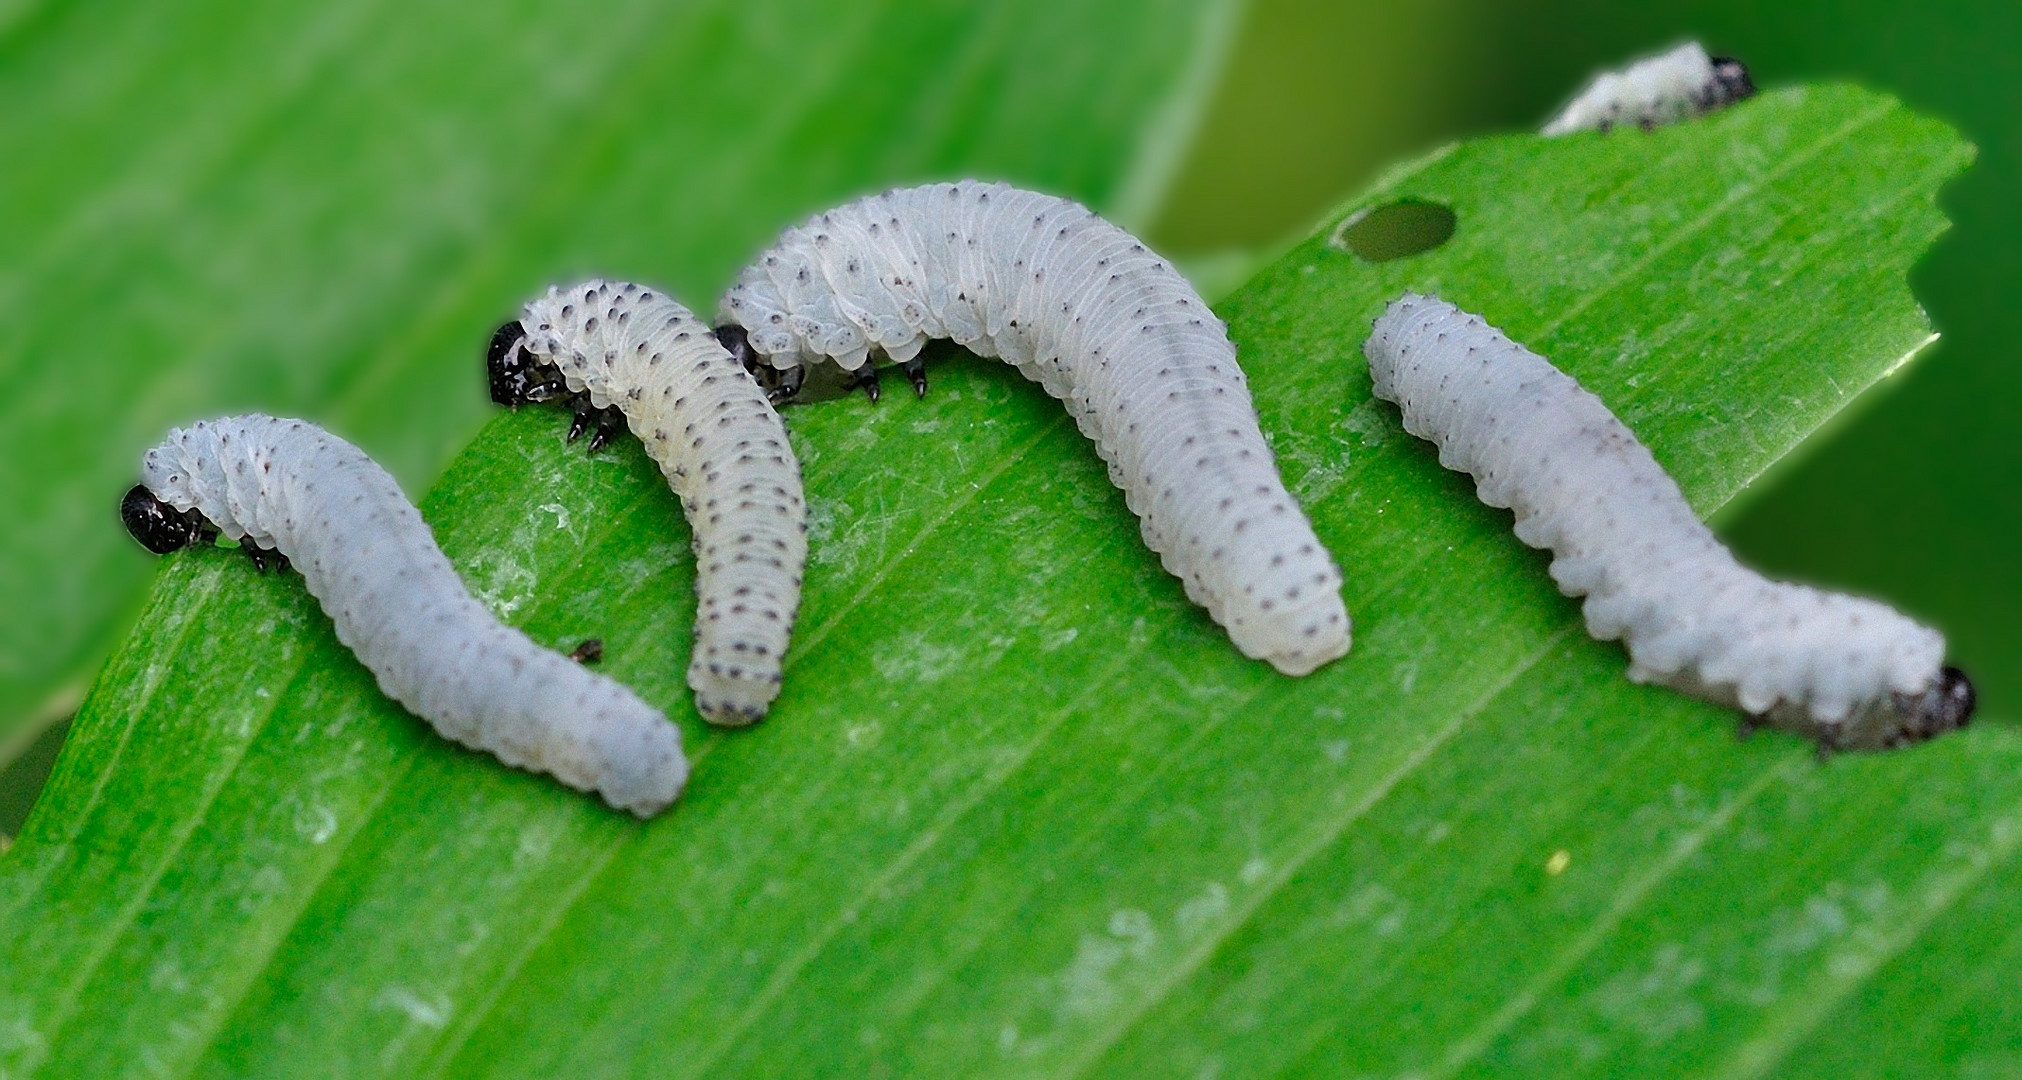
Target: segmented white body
725, 452
1848, 671
365, 553
1676, 85
1101, 323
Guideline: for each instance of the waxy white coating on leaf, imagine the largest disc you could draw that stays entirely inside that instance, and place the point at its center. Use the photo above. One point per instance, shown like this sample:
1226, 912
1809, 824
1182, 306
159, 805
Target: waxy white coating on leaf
364, 552
725, 453
1851, 672
1105, 325
1663, 89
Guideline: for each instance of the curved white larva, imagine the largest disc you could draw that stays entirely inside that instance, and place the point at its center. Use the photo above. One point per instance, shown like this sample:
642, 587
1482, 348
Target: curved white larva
725, 452
1663, 89
365, 553
1849, 672
1104, 325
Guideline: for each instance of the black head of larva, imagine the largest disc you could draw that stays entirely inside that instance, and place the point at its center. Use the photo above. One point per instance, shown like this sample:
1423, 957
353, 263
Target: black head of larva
517, 376
737, 343
1947, 706
1731, 76
159, 527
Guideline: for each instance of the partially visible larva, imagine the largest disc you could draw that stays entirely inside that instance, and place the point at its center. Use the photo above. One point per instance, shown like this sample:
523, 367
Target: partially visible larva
1850, 673
625, 353
1100, 322
365, 553
1663, 89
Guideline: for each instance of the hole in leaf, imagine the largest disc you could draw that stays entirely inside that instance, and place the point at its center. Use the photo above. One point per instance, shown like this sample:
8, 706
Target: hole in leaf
1394, 230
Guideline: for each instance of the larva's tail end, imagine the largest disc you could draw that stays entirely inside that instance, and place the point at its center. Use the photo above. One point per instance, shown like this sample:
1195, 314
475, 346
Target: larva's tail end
650, 774
1307, 662
644, 804
735, 669
1302, 665
159, 527
1325, 638
729, 713
733, 695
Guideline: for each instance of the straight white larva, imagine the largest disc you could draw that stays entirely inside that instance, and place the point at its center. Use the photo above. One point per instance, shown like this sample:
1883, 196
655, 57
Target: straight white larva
1849, 672
365, 553
1663, 89
702, 417
1105, 325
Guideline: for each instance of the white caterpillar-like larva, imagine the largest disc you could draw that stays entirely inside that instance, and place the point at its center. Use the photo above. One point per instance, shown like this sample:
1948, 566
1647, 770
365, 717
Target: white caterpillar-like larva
1850, 673
620, 346
1662, 89
1103, 324
367, 556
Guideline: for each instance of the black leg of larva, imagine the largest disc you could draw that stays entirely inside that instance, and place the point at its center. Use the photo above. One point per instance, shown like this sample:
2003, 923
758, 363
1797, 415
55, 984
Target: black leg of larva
589, 652
916, 373
263, 558
585, 412
785, 385
866, 377
1749, 725
779, 384
1828, 745
610, 422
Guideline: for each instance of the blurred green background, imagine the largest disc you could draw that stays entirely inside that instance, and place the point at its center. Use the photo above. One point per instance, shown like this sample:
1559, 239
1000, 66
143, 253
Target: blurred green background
165, 251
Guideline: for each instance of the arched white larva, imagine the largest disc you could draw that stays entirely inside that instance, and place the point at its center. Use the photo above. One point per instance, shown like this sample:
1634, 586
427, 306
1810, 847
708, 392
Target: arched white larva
1104, 325
723, 449
1663, 89
1849, 672
365, 553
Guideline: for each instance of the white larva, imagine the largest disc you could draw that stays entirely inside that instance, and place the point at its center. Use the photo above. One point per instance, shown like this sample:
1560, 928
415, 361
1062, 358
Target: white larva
1101, 323
1663, 89
1849, 672
365, 553
624, 347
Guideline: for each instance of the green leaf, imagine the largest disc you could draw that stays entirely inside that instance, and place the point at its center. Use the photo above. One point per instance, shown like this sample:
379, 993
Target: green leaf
319, 210
1021, 809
